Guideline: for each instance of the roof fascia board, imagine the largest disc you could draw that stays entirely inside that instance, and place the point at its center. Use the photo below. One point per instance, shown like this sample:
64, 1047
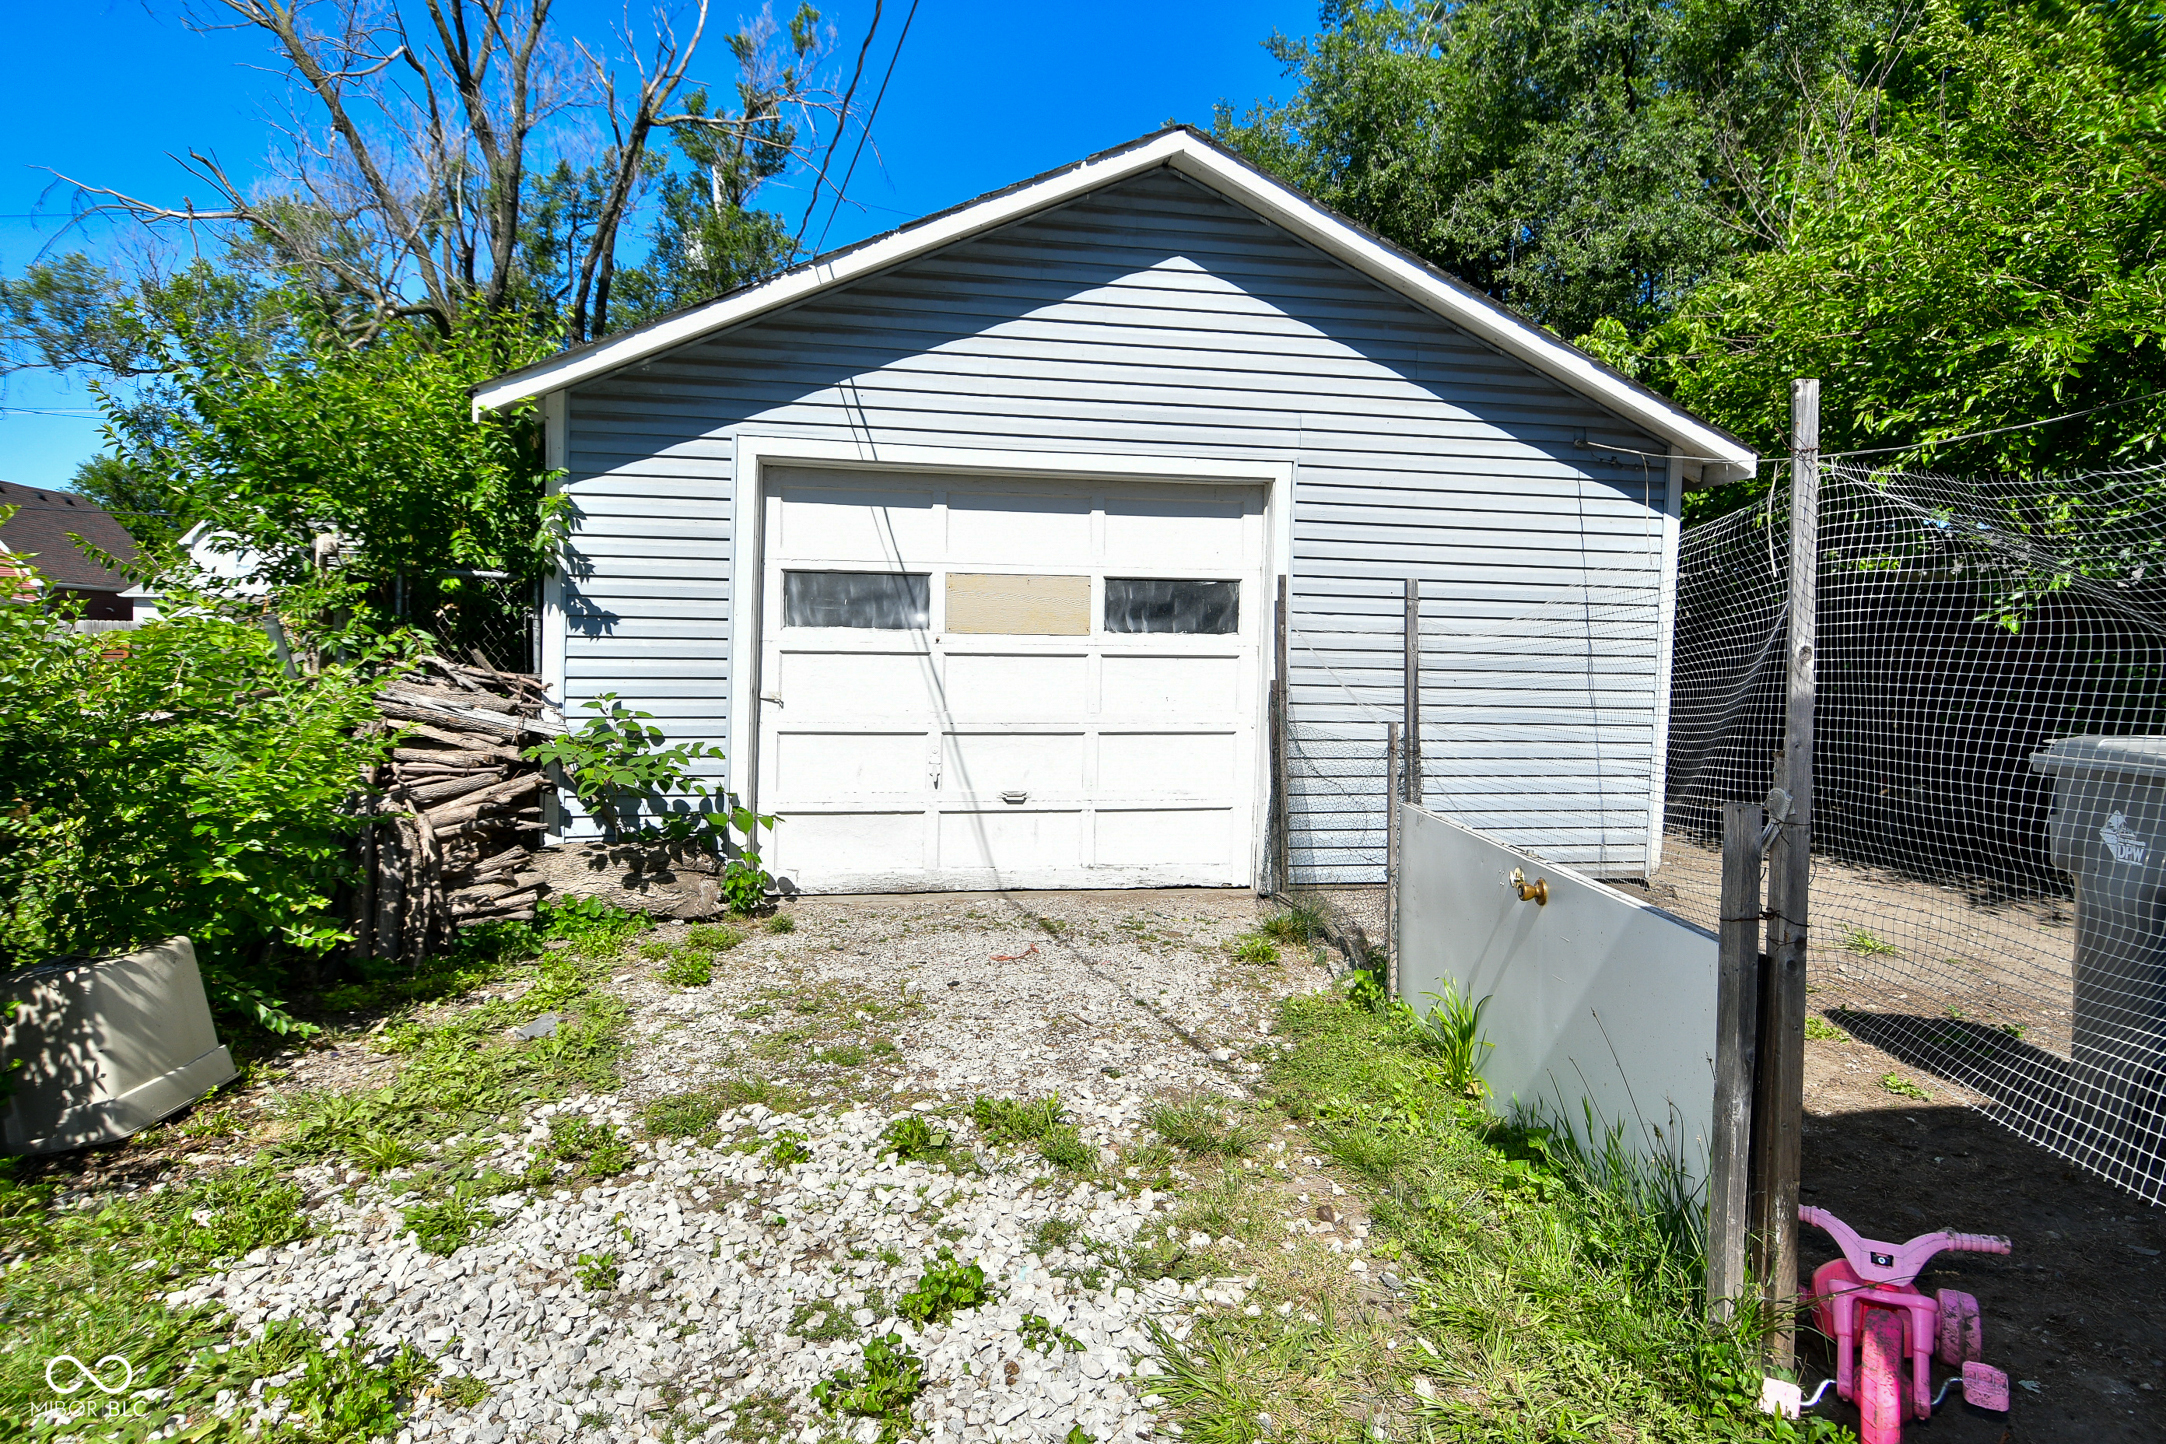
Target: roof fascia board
795, 286
1520, 339
1719, 457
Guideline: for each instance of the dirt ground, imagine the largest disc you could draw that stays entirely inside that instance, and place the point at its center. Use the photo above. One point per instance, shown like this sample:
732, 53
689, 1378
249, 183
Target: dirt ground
1968, 988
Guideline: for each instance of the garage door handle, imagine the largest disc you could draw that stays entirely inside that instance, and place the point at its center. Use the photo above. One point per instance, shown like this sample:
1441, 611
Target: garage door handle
770, 697
1015, 796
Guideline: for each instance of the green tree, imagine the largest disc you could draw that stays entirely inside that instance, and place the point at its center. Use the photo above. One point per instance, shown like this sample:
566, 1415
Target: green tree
1575, 159
1987, 255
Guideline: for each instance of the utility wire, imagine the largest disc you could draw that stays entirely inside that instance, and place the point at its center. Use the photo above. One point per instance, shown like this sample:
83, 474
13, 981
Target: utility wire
865, 133
797, 242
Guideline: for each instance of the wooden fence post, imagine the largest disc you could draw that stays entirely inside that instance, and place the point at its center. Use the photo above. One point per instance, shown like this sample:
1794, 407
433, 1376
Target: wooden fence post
1410, 777
1779, 1105
1737, 1024
1392, 785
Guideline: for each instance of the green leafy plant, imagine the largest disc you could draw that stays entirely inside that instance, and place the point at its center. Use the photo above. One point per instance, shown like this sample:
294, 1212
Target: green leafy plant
597, 1272
782, 923
1042, 1336
1012, 1120
1858, 940
1254, 948
616, 761
688, 970
1902, 1087
1296, 924
881, 1387
1452, 1032
1819, 1027
787, 1148
442, 1226
343, 1395
598, 1149
462, 1391
712, 937
946, 1286
914, 1138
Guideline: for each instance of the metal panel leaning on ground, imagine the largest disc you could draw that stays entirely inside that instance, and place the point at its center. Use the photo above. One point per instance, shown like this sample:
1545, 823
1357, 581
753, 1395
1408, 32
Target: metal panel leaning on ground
1156, 317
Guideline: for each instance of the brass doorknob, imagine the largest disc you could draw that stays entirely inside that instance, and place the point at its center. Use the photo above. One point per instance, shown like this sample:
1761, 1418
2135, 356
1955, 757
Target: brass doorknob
1536, 892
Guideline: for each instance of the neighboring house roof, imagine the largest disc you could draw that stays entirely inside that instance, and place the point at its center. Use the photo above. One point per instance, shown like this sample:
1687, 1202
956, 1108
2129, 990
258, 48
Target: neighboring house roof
39, 533
1204, 161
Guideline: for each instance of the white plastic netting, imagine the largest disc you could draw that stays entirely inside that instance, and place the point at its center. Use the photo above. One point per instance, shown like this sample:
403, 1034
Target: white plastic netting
1965, 917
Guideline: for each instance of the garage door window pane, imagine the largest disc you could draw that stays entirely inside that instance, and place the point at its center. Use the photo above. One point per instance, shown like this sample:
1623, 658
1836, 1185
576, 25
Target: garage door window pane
884, 601
1156, 604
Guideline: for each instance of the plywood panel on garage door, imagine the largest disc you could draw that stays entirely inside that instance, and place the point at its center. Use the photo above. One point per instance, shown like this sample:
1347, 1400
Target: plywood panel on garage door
911, 748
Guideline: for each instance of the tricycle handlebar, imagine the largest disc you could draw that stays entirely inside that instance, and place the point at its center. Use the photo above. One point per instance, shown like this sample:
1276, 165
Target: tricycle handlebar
1977, 1243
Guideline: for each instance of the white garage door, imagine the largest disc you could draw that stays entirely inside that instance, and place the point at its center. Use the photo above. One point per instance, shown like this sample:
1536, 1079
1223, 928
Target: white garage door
987, 683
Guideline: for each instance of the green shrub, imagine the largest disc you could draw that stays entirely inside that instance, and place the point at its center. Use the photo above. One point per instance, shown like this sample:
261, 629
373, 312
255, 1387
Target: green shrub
175, 782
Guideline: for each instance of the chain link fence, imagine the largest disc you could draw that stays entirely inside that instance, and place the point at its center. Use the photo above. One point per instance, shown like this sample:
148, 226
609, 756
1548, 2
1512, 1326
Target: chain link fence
1964, 627
477, 614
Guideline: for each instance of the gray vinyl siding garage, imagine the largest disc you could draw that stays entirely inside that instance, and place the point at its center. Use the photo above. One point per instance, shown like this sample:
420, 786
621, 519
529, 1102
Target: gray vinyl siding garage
1154, 317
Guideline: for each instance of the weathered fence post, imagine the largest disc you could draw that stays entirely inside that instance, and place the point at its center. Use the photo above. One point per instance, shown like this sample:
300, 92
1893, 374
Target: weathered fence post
1410, 777
1392, 785
1737, 1023
1779, 1104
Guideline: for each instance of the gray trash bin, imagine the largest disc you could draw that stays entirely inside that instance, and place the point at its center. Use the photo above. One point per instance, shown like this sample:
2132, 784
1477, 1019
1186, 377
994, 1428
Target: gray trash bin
2108, 830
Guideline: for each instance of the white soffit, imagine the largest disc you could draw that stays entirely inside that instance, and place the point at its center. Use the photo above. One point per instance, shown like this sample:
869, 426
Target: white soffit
1720, 456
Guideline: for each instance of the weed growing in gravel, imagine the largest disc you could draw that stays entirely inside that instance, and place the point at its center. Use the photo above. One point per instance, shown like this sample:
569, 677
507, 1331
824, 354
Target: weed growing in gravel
1296, 924
597, 1148
881, 1388
442, 1226
380, 1152
782, 923
688, 970
712, 937
1055, 1232
755, 1419
1819, 1027
1254, 948
822, 1323
787, 1148
914, 1138
945, 1287
842, 1055
462, 1391
1042, 1336
341, 1394
1902, 1087
656, 952
1199, 1128
597, 1272
1858, 940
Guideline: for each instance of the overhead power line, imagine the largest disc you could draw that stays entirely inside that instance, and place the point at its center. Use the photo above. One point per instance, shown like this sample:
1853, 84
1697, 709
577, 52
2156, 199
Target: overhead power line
865, 133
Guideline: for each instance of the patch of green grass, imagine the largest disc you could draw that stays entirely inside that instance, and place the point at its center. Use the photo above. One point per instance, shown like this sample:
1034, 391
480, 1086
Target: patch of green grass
689, 970
1819, 1027
843, 1055
1199, 1128
1902, 1087
882, 1387
1858, 940
1015, 1120
597, 1148
782, 923
822, 1322
597, 1272
1054, 1233
1561, 1278
656, 951
443, 1225
689, 1114
946, 1286
1254, 948
712, 937
462, 1391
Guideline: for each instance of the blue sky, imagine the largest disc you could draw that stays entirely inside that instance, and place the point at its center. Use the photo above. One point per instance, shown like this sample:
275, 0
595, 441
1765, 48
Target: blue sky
984, 95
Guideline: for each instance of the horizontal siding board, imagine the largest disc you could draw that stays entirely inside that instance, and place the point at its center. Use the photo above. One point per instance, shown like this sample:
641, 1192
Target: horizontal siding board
1157, 318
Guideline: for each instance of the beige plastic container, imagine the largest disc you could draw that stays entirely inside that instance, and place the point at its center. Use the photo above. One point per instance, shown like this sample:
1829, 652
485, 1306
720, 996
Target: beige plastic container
108, 1047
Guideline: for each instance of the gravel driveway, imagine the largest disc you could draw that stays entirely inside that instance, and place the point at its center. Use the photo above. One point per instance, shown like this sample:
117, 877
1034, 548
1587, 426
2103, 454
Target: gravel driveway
759, 1257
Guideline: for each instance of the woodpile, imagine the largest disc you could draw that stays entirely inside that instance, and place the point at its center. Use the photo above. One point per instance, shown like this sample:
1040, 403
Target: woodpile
456, 812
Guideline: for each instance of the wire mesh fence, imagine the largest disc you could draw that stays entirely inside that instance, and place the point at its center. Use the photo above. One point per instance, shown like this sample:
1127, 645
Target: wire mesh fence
1965, 918
479, 614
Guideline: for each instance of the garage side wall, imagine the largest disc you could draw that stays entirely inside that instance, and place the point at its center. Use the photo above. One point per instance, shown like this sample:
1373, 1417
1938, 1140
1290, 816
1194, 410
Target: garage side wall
1156, 318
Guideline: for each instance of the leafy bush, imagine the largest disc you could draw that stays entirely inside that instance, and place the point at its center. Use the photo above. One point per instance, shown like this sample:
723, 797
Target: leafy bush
945, 1287
173, 780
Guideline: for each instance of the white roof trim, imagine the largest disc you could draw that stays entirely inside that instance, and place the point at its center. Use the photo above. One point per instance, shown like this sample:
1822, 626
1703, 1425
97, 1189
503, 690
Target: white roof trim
1722, 457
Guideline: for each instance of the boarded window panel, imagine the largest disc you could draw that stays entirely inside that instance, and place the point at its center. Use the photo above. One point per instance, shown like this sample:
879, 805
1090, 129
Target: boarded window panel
998, 604
882, 601
1159, 604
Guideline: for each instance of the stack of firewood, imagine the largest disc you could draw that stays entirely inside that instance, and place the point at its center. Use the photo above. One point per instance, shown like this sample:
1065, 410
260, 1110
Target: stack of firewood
457, 811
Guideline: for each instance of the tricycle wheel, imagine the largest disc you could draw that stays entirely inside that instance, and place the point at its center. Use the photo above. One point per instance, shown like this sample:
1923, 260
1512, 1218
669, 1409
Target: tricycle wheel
1880, 1376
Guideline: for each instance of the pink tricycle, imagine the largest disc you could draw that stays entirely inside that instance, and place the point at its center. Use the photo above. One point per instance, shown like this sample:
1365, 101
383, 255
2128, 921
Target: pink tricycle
1865, 1299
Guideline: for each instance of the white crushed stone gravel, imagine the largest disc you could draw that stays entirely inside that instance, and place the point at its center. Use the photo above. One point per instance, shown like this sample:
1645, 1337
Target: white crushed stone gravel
727, 1259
